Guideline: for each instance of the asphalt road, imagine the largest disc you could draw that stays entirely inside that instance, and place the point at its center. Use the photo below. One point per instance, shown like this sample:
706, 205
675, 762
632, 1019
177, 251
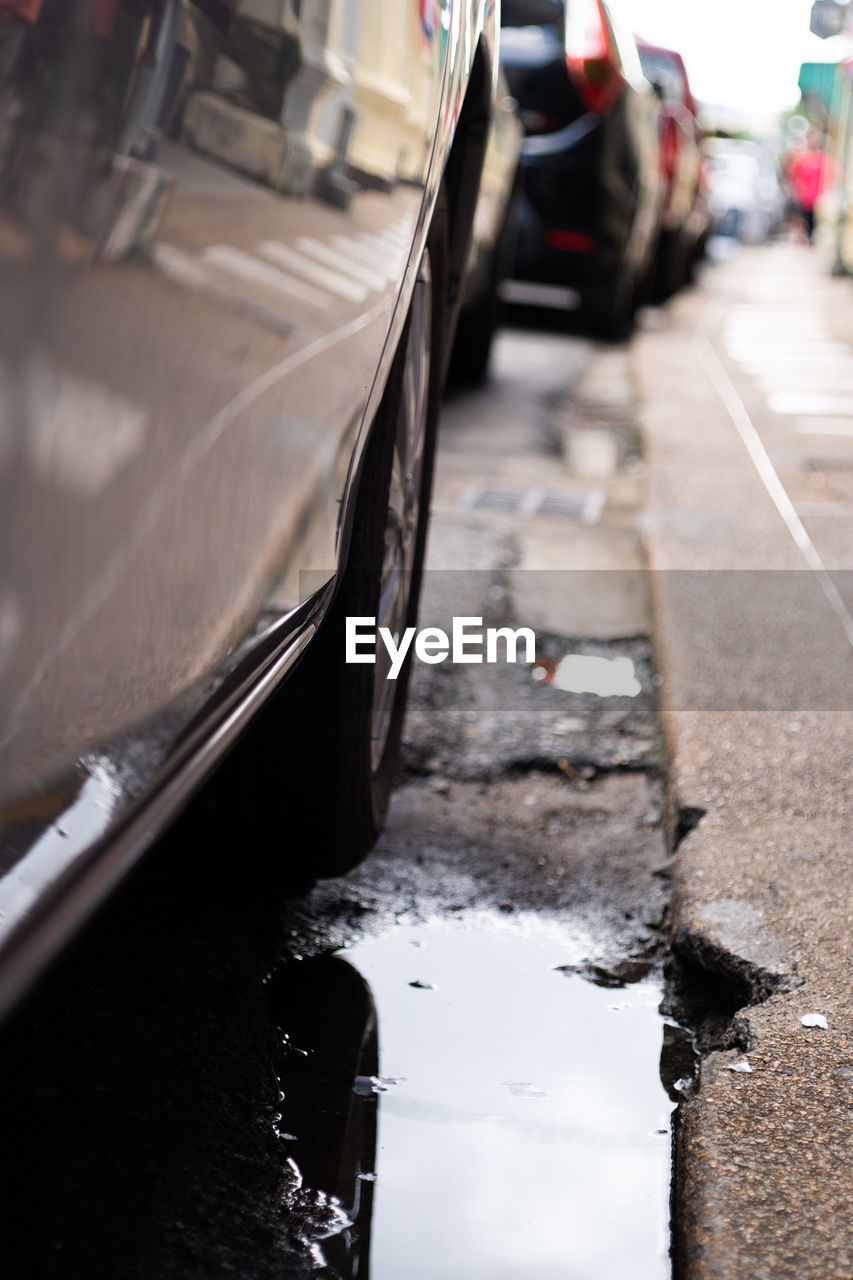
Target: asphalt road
395, 1073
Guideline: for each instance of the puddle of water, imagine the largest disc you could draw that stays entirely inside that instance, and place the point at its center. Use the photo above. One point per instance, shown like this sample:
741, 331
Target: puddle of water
524, 1130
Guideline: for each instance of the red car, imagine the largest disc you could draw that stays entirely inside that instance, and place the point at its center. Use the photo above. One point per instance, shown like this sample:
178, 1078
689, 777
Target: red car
685, 216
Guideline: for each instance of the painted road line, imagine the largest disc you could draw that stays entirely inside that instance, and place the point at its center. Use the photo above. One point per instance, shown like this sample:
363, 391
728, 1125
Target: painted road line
770, 342
747, 310
773, 385
827, 377
789, 351
825, 426
820, 365
752, 442
811, 320
805, 405
247, 267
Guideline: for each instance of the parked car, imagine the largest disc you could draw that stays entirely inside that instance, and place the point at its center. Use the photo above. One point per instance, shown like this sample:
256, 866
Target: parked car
231, 240
685, 217
746, 197
589, 199
492, 245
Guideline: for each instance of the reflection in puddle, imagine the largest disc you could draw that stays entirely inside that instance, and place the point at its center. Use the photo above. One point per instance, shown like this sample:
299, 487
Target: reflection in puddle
527, 1130
327, 1123
585, 673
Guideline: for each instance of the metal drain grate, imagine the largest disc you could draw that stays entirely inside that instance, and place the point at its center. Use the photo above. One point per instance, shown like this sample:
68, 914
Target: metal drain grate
581, 508
497, 500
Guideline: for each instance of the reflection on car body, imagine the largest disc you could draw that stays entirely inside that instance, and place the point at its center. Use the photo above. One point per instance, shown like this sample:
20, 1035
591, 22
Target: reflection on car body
231, 234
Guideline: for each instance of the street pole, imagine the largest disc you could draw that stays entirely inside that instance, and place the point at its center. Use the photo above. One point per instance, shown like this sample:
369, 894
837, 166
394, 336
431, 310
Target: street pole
839, 267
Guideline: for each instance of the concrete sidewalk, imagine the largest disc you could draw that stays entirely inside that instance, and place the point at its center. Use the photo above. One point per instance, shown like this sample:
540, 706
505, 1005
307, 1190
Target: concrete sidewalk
747, 388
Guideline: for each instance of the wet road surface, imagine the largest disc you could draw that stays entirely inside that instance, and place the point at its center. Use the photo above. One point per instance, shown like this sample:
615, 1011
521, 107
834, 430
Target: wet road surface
449, 1061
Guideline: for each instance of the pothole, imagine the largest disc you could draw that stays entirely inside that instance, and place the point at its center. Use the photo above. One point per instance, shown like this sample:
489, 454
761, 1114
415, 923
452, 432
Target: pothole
520, 1110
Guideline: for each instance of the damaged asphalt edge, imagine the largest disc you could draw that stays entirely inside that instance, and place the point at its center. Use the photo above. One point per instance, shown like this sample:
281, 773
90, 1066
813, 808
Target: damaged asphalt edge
576, 767
711, 980
709, 989
709, 985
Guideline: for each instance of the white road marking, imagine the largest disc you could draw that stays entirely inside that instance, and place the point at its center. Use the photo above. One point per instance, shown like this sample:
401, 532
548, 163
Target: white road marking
825, 426
227, 258
754, 446
342, 262
284, 256
747, 311
827, 366
802, 404
765, 329
755, 349
831, 367
790, 353
808, 382
803, 322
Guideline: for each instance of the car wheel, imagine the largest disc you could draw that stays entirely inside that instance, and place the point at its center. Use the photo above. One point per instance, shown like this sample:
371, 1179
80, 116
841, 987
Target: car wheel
666, 271
475, 333
477, 325
697, 257
316, 768
609, 305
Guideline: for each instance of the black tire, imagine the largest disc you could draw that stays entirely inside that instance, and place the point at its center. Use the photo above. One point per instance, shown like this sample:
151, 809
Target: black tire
315, 770
608, 307
665, 277
697, 257
673, 265
475, 332
478, 323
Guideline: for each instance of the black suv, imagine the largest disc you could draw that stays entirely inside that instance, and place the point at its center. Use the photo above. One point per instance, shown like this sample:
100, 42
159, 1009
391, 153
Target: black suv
589, 214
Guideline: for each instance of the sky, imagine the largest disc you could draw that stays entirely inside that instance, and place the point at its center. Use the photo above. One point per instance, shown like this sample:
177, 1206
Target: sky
744, 54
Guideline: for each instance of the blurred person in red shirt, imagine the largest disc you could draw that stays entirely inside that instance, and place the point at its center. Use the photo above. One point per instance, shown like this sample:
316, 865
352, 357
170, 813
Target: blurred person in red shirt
808, 173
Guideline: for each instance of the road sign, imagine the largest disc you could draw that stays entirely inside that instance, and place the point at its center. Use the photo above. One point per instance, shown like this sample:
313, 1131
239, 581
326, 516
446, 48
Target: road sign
827, 18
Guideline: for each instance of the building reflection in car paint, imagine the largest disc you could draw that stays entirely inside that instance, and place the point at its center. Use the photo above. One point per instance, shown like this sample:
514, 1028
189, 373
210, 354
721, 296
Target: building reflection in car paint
204, 206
